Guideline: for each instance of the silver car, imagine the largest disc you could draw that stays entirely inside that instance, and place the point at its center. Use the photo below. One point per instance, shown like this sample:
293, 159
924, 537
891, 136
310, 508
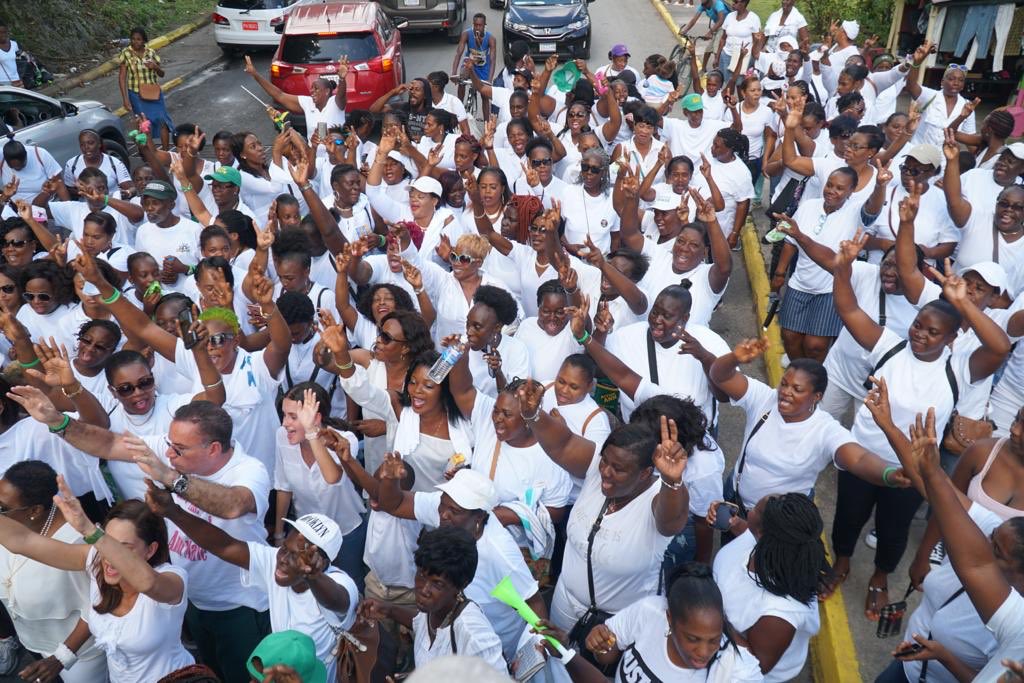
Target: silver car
55, 124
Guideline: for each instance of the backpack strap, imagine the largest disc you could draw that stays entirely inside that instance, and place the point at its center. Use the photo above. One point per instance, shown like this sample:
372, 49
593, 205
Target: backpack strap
652, 359
886, 357
951, 377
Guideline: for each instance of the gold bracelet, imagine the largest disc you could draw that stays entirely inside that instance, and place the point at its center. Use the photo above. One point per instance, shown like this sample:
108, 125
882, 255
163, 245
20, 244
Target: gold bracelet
64, 391
347, 366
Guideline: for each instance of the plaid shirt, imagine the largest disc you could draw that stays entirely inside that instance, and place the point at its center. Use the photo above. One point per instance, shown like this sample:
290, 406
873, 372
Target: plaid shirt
137, 71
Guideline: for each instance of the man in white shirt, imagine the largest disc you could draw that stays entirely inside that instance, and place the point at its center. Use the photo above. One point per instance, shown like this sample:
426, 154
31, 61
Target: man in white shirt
692, 137
32, 167
171, 240
211, 479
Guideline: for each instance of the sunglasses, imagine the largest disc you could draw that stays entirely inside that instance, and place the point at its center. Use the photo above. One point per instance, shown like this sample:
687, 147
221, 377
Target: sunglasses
1003, 204
220, 339
538, 163
32, 296
912, 172
587, 168
576, 115
857, 148
387, 338
7, 289
460, 258
127, 389
536, 228
956, 67
13, 244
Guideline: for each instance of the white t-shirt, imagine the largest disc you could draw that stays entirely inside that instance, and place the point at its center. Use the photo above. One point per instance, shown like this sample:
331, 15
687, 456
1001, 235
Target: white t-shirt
40, 166
144, 644
9, 64
515, 362
828, 229
291, 610
44, 326
72, 215
251, 391
586, 215
783, 457
1007, 625
129, 478
746, 602
932, 226
735, 184
453, 105
310, 492
524, 258
978, 244
914, 386
473, 633
547, 352
640, 635
775, 28
935, 120
214, 583
661, 274
739, 32
847, 361
390, 544
181, 241
331, 114
692, 142
678, 374
754, 125
111, 166
28, 439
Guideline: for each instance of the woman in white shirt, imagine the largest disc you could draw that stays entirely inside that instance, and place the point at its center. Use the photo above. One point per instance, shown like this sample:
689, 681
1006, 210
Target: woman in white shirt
770, 578
137, 599
755, 122
444, 621
728, 161
939, 108
588, 208
738, 30
785, 22
46, 605
684, 637
547, 335
324, 104
259, 188
642, 149
48, 290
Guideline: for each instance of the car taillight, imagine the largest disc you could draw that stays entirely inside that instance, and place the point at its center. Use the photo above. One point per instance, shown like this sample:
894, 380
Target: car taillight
379, 65
220, 19
281, 69
276, 21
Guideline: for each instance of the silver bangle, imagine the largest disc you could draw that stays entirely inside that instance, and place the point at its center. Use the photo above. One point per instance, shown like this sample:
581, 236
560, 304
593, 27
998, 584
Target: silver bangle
65, 656
674, 487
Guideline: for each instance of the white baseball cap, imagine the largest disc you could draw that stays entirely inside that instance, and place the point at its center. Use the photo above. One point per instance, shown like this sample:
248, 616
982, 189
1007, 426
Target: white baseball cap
665, 199
428, 185
321, 531
1016, 149
851, 28
992, 273
929, 155
470, 490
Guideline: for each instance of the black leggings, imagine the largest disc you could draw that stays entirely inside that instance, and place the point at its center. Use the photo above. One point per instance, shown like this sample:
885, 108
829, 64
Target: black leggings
894, 511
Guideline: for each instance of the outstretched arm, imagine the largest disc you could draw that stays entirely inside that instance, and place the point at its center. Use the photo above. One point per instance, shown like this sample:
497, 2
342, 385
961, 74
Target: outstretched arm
289, 102
865, 330
206, 535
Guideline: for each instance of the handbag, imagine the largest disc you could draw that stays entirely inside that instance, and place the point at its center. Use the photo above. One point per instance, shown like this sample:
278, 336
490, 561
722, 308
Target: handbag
962, 432
150, 92
593, 616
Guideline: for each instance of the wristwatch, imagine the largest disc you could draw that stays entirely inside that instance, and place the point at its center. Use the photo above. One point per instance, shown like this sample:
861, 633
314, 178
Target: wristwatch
180, 485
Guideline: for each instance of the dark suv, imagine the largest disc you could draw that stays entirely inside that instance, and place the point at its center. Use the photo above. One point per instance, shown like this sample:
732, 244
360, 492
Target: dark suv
559, 27
429, 15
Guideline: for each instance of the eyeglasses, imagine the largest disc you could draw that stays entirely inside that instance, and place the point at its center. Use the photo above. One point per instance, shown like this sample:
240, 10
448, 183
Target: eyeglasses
1003, 204
912, 172
13, 244
6, 510
586, 168
387, 338
821, 223
178, 451
536, 228
220, 339
7, 289
460, 258
537, 163
32, 296
576, 115
856, 148
127, 389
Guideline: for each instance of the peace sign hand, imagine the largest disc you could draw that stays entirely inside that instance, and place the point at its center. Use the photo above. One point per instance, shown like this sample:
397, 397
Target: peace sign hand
954, 287
883, 176
531, 175
578, 317
910, 204
603, 321
530, 395
669, 457
705, 210
412, 275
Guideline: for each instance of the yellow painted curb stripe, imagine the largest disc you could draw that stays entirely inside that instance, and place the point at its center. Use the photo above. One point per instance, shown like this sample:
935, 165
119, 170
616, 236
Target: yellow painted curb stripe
168, 86
759, 288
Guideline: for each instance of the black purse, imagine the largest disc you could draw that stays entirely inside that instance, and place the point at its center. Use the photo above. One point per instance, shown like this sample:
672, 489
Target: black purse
593, 616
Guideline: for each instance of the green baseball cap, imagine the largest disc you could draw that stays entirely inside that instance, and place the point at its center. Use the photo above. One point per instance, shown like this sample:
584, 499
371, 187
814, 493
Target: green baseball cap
290, 648
159, 189
225, 174
692, 102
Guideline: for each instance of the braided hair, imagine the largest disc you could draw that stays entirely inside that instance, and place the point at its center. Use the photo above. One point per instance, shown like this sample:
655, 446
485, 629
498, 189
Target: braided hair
789, 558
527, 208
735, 141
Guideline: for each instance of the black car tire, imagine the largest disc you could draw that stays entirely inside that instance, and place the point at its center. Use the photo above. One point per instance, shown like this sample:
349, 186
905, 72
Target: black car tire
497, 4
117, 150
228, 51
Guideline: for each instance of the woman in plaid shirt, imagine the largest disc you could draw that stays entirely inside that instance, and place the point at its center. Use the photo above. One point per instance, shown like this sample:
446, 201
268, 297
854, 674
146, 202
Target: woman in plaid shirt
140, 69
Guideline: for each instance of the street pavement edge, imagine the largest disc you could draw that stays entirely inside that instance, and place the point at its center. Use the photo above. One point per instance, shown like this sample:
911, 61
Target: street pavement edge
113, 63
833, 654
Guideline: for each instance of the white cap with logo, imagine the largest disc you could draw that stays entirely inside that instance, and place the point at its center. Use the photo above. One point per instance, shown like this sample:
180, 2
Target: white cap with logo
470, 490
321, 531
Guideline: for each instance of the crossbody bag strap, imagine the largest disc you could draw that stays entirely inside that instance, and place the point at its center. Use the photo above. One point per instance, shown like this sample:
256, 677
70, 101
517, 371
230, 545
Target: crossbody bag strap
652, 359
495, 454
886, 357
995, 244
951, 376
742, 463
924, 665
590, 552
881, 306
595, 413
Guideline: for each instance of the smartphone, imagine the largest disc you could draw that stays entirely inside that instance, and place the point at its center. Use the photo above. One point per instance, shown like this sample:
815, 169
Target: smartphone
321, 131
185, 328
726, 511
914, 648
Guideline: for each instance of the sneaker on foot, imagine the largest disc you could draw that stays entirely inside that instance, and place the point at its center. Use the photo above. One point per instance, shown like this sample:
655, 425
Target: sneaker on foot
9, 655
871, 540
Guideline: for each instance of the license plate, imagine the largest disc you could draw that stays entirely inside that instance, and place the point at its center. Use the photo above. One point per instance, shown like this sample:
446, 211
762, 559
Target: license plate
547, 47
333, 78
411, 3
250, 26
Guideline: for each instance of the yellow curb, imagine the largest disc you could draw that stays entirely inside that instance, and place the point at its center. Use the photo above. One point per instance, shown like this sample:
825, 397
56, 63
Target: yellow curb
659, 7
113, 64
166, 87
758, 276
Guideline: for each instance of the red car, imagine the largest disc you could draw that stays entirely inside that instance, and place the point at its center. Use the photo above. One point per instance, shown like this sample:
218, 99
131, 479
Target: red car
315, 36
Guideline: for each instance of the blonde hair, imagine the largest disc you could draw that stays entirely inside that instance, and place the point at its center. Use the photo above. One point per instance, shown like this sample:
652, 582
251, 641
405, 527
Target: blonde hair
476, 246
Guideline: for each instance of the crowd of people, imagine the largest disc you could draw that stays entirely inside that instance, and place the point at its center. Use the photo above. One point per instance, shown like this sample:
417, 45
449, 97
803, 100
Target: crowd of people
307, 407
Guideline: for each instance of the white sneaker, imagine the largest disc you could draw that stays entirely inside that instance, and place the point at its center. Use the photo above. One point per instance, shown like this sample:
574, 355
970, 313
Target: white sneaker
871, 540
9, 655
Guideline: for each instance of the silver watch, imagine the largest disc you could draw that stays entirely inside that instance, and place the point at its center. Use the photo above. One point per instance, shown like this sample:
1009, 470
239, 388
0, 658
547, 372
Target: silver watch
180, 485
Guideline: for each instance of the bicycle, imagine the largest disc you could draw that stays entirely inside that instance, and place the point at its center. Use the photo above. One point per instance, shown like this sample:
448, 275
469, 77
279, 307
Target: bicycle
680, 57
469, 98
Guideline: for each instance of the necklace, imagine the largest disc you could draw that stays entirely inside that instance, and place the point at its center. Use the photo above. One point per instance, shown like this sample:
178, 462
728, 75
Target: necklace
9, 579
493, 217
145, 418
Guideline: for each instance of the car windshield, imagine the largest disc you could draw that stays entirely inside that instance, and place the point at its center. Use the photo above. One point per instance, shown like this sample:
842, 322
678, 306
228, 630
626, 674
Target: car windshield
542, 3
255, 4
317, 48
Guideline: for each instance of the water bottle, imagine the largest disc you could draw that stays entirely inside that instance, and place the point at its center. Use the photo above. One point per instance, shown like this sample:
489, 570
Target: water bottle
449, 357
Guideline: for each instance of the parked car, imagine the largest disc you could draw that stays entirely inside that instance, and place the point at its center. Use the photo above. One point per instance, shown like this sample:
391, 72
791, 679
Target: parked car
250, 23
560, 27
315, 36
55, 124
430, 15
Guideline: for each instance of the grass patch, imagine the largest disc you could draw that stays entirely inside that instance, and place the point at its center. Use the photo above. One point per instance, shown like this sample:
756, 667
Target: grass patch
763, 8
86, 28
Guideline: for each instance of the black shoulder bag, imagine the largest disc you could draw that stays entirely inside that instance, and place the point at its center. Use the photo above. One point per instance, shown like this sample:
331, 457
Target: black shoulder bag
593, 616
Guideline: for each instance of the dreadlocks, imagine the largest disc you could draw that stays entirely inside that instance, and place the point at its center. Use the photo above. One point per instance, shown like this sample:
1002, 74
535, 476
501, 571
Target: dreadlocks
789, 557
527, 208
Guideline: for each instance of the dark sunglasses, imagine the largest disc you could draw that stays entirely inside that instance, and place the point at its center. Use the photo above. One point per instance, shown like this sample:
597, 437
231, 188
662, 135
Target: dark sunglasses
8, 289
536, 228
576, 115
127, 389
220, 339
587, 168
387, 338
845, 136
13, 244
32, 296
912, 172
1002, 204
537, 163
460, 258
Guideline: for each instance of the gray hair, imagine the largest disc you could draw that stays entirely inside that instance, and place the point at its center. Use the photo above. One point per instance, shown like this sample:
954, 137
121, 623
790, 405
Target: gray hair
599, 155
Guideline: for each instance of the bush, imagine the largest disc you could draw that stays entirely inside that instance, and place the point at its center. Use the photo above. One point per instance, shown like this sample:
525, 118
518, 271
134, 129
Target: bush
874, 16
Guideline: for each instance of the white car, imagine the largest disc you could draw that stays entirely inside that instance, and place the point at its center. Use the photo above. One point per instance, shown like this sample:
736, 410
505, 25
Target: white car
250, 23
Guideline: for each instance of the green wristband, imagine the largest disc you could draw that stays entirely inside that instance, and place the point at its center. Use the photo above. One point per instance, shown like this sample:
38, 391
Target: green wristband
26, 366
885, 476
62, 426
584, 339
113, 297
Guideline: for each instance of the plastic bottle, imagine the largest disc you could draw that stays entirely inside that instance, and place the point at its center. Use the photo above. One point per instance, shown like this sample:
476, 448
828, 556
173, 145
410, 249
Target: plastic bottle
449, 357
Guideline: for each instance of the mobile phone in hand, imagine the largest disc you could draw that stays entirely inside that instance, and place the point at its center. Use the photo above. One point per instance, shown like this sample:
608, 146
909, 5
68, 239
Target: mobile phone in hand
321, 131
724, 515
185, 328
912, 649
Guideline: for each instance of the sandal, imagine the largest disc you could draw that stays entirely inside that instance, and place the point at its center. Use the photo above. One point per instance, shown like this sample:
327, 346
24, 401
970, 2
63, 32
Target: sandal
878, 597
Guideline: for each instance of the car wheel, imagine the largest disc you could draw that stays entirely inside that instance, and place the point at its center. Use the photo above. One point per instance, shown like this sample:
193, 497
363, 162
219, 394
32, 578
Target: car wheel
228, 51
497, 4
117, 150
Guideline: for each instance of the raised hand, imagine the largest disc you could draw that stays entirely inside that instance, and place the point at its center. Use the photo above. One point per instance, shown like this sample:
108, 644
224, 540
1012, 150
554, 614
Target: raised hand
11, 188
568, 277
57, 370
308, 412
669, 457
603, 320
877, 401
151, 465
688, 344
72, 509
795, 116
749, 349
950, 147
332, 334
849, 249
36, 404
444, 248
412, 275
393, 466
530, 396
249, 67
910, 204
630, 183
705, 209
883, 176
924, 445
299, 171
954, 287
578, 317
159, 500
914, 116
342, 70
531, 175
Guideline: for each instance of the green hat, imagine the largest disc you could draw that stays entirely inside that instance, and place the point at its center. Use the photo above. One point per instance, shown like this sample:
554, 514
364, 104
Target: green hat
566, 76
290, 648
225, 174
159, 189
692, 102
